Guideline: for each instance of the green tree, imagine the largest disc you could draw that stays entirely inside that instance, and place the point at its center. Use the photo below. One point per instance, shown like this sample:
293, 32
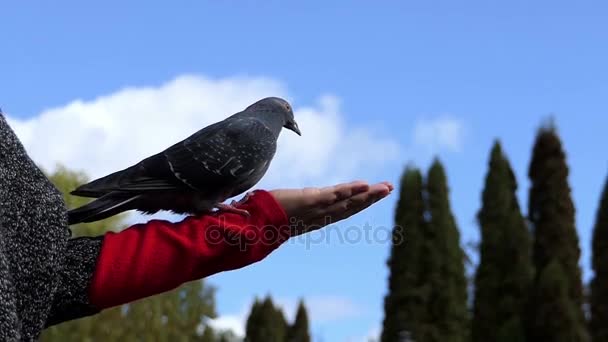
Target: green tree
209, 335
599, 284
405, 303
171, 316
299, 330
503, 277
105, 326
66, 180
253, 323
551, 214
556, 318
448, 316
212, 335
266, 323
227, 336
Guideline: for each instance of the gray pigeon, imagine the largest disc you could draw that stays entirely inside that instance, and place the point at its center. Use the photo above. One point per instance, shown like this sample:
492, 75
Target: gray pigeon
197, 174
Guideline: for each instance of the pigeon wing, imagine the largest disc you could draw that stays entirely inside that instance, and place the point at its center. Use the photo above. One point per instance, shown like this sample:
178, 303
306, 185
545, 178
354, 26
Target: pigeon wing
227, 157
237, 154
151, 174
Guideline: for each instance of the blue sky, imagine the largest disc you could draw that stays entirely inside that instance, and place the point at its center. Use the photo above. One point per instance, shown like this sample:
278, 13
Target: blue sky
490, 70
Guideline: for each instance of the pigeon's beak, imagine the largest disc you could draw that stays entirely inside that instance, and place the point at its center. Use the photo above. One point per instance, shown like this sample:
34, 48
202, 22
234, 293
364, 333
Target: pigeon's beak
293, 126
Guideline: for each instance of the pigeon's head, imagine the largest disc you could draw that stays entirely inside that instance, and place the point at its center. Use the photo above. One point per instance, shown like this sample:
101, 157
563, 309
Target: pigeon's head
277, 107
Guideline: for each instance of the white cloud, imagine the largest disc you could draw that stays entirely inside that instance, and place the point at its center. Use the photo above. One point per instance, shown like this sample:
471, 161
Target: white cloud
114, 131
321, 309
333, 308
372, 335
234, 323
442, 132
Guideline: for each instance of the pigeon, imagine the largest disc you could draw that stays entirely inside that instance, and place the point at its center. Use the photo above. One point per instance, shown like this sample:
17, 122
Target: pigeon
194, 176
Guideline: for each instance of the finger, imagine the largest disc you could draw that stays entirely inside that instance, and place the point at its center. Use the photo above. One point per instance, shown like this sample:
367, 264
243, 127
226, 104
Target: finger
338, 187
375, 191
332, 194
333, 212
355, 200
361, 202
380, 188
343, 209
375, 195
350, 190
362, 196
389, 184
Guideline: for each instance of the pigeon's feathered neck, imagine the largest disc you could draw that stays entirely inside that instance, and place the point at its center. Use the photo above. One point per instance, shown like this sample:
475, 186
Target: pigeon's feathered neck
274, 121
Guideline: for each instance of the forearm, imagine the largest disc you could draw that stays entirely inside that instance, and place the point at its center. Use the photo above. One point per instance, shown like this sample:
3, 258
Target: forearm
151, 258
157, 256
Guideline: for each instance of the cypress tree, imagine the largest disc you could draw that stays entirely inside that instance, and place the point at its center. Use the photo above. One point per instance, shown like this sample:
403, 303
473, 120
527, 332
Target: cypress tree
556, 318
404, 305
299, 330
599, 284
448, 287
551, 214
253, 324
279, 324
266, 323
504, 274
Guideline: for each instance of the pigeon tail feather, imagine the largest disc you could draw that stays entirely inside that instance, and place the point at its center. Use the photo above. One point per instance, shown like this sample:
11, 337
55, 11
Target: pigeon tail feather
101, 208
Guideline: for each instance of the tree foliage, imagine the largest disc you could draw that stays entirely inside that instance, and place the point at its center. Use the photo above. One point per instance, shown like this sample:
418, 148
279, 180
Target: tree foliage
266, 322
405, 305
448, 283
504, 274
66, 180
599, 284
551, 214
299, 331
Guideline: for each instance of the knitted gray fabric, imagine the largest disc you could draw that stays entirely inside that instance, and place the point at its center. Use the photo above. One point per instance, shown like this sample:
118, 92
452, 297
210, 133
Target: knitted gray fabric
43, 274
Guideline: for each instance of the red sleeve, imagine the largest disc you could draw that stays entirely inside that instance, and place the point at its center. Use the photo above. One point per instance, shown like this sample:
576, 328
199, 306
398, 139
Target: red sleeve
157, 256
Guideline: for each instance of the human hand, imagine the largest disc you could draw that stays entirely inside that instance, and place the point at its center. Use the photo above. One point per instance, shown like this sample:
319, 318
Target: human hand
314, 208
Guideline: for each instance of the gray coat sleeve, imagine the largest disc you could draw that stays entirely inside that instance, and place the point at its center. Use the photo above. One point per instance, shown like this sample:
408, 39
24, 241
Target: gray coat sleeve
34, 237
71, 301
44, 274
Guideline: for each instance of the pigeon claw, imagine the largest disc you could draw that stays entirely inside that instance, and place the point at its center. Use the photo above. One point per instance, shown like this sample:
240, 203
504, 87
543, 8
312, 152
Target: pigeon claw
245, 198
231, 208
